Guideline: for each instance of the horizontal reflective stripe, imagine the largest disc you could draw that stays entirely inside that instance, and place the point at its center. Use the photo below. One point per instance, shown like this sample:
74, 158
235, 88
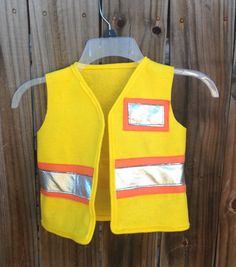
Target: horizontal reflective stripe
64, 184
131, 162
83, 170
151, 190
146, 176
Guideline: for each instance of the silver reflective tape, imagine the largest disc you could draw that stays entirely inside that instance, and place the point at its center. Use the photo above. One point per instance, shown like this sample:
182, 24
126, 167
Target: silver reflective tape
65, 182
150, 175
146, 114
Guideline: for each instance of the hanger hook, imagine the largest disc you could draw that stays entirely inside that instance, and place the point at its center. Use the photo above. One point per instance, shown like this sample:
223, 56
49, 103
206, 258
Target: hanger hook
101, 13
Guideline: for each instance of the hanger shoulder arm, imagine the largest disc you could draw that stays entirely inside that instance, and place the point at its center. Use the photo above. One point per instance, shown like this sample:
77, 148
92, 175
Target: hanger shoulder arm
23, 88
202, 76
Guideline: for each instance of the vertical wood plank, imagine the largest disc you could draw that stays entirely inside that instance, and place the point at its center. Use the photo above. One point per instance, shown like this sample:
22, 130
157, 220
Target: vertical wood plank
18, 227
226, 249
136, 19
201, 39
129, 250
59, 30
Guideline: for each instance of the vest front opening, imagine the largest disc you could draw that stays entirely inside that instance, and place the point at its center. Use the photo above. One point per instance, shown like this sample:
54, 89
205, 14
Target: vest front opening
106, 82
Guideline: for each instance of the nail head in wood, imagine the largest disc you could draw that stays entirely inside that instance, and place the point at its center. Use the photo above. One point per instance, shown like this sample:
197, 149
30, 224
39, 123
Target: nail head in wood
156, 30
185, 242
120, 21
232, 205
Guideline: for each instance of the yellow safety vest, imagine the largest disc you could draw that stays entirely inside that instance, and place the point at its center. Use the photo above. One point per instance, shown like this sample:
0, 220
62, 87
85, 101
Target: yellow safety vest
110, 148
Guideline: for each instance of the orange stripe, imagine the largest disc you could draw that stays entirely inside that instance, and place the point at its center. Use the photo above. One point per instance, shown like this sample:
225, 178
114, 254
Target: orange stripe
151, 191
146, 101
83, 170
131, 162
67, 196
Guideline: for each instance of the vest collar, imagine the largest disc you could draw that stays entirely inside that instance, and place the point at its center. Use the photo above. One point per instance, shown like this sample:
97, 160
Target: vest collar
139, 66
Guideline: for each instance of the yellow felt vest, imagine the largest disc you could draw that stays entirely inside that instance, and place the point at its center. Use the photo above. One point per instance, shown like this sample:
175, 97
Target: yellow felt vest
110, 148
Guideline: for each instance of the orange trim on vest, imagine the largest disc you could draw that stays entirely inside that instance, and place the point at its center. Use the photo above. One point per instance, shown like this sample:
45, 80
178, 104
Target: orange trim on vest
83, 170
127, 126
151, 191
63, 195
131, 162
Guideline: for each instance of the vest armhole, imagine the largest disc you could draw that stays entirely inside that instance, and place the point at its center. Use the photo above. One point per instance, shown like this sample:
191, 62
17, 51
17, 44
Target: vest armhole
44, 122
175, 119
171, 106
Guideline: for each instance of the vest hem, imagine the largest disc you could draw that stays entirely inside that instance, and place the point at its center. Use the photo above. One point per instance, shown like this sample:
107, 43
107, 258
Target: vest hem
60, 233
157, 228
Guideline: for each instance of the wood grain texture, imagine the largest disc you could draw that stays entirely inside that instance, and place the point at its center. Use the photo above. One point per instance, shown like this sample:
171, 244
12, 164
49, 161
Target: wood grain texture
136, 19
59, 30
226, 249
201, 39
129, 250
18, 227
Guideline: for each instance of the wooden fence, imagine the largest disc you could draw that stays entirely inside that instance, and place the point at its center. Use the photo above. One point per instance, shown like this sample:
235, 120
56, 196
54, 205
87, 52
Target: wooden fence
41, 36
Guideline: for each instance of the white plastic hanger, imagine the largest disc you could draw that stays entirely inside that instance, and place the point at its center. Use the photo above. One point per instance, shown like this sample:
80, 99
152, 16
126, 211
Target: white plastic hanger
110, 45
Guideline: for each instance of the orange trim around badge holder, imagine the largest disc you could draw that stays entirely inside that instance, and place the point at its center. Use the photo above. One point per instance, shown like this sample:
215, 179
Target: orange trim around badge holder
130, 127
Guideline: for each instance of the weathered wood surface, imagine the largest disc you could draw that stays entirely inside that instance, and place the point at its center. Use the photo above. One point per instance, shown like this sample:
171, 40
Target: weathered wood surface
137, 18
226, 249
41, 36
18, 225
201, 38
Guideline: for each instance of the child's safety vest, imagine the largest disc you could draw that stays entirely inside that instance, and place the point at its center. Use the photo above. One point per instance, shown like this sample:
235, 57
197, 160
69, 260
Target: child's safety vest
111, 149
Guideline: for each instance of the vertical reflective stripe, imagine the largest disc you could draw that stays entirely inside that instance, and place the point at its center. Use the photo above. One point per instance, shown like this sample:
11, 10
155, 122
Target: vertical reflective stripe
66, 183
